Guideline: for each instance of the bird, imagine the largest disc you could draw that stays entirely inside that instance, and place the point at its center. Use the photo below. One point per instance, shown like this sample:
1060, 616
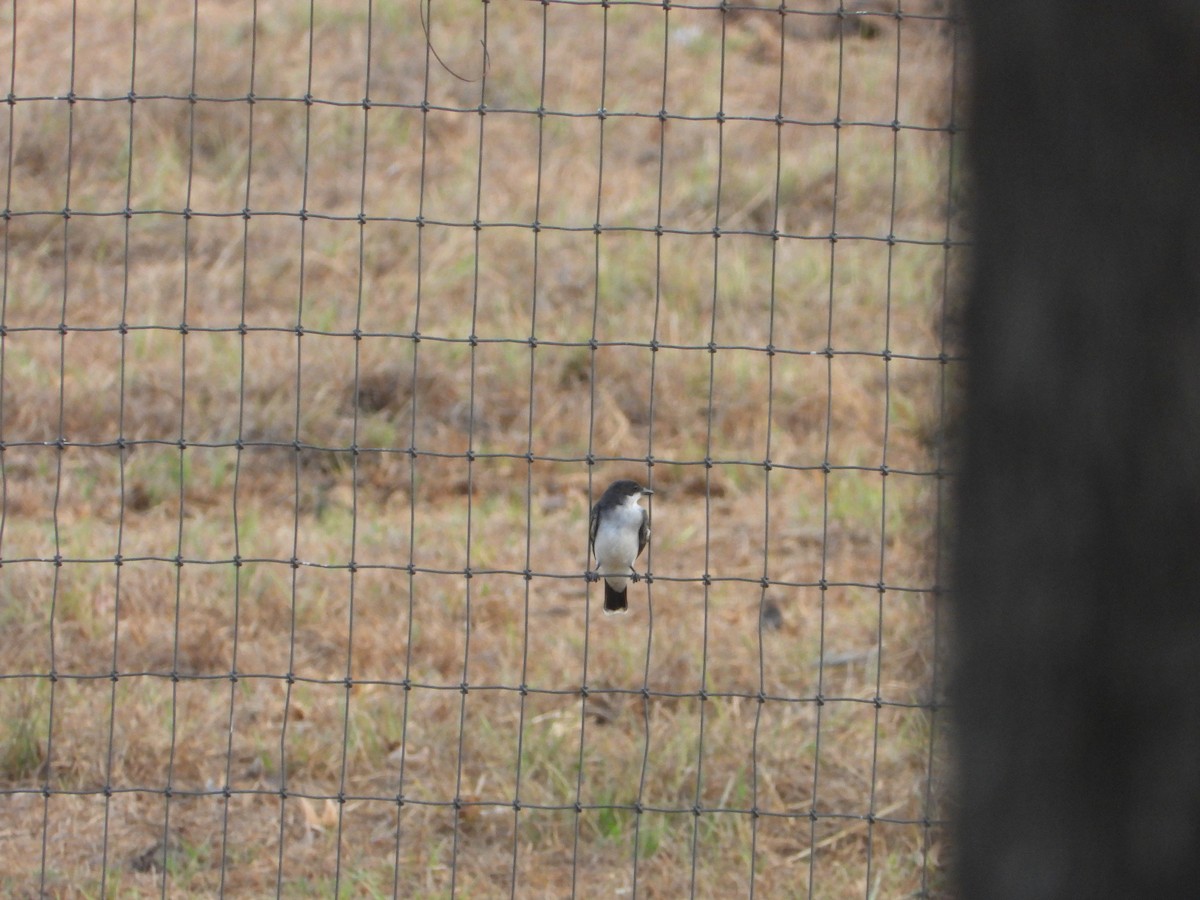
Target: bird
619, 530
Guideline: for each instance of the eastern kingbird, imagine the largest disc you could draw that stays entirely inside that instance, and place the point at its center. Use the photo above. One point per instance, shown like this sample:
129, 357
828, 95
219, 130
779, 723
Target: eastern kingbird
619, 530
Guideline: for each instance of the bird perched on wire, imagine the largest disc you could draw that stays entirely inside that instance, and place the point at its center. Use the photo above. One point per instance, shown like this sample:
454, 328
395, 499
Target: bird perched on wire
619, 531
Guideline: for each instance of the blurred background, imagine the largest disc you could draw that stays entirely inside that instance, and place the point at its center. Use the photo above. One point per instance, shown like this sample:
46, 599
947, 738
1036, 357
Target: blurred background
324, 324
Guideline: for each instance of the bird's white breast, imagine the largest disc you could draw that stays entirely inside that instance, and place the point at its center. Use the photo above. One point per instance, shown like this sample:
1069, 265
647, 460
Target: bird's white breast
616, 543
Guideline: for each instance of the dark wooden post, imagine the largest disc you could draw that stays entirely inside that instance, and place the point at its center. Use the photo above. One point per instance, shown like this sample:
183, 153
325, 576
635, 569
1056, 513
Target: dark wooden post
1077, 607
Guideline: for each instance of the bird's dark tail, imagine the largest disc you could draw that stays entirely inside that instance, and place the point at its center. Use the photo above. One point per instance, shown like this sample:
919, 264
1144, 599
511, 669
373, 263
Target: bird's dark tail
615, 601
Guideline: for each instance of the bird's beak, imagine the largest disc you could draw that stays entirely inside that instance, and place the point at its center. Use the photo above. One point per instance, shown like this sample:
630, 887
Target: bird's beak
646, 492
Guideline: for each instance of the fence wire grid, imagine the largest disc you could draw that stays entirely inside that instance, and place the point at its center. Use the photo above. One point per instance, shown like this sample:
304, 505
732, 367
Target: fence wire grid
323, 326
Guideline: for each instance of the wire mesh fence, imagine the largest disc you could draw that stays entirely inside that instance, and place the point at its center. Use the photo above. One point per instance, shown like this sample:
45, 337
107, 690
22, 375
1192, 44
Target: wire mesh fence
323, 326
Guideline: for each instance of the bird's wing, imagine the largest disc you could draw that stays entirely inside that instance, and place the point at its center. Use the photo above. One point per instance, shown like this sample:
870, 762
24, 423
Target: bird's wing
644, 532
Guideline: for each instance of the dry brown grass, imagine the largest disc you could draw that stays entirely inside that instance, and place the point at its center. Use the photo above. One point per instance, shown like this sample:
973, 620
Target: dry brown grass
172, 634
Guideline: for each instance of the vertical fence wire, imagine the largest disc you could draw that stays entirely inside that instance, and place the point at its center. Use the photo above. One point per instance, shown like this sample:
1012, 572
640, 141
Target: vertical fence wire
881, 609
59, 444
356, 391
535, 293
826, 464
238, 574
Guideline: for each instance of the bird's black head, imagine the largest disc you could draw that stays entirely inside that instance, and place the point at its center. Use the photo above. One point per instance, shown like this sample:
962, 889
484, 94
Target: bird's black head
620, 490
